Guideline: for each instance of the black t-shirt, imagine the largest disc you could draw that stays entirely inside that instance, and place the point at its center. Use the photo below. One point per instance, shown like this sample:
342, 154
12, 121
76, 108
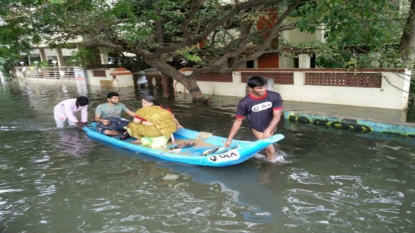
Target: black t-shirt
259, 111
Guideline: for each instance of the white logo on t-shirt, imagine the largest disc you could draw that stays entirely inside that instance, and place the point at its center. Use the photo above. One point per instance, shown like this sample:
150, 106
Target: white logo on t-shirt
261, 106
114, 112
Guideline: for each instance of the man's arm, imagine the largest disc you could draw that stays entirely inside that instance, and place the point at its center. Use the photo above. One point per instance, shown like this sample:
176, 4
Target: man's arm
177, 122
138, 119
129, 112
273, 124
98, 114
84, 114
234, 129
99, 119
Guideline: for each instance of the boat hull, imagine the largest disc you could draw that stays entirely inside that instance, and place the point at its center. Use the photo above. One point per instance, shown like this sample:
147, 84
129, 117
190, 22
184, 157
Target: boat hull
239, 151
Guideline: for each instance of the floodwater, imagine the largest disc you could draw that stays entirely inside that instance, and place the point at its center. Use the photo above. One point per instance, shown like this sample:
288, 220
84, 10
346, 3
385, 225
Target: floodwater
325, 180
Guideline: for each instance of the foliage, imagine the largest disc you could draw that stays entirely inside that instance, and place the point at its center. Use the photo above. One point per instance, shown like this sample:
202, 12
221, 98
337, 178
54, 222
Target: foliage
84, 57
357, 33
159, 31
11, 38
43, 64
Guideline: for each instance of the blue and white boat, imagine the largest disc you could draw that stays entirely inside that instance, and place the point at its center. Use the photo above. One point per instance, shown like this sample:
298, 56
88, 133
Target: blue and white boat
205, 150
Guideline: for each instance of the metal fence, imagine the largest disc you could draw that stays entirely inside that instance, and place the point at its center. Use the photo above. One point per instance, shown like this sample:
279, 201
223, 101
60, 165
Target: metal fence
46, 72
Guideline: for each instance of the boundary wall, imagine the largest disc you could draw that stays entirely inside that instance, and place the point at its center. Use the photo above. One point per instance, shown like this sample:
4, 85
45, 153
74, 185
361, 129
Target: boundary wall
366, 88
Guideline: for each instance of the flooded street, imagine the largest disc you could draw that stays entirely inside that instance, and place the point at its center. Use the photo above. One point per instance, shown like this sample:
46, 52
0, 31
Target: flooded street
62, 181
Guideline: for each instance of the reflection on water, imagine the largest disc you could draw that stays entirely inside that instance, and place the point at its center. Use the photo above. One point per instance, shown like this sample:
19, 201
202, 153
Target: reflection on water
240, 184
62, 181
72, 142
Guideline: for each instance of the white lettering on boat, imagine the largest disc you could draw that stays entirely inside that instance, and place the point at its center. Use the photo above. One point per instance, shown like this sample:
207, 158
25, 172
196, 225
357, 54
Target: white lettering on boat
227, 156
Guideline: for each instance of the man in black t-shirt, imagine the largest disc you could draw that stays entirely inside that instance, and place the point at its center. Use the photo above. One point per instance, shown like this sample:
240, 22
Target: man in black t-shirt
262, 110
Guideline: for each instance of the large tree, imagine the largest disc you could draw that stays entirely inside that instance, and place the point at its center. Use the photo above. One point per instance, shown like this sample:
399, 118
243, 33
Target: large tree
159, 31
358, 34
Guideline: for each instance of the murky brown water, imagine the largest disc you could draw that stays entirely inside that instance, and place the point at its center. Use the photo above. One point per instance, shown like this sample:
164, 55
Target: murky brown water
62, 181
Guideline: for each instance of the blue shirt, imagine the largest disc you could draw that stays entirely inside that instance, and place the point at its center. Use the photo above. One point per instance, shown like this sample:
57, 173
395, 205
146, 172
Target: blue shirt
259, 111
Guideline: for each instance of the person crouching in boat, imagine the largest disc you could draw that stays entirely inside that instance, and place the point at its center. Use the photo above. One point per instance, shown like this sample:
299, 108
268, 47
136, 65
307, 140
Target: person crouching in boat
152, 120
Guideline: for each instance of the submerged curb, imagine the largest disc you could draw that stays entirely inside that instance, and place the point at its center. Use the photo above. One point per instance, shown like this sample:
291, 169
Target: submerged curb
366, 126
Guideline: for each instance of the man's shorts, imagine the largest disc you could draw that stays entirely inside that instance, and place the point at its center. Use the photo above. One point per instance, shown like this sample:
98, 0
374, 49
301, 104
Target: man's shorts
116, 124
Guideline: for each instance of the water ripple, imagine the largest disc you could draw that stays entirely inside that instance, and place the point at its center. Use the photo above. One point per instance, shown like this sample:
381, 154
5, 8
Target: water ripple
10, 190
63, 181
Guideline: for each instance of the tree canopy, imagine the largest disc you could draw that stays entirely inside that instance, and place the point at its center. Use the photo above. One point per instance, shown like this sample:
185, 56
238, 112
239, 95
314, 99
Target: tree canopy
357, 34
162, 32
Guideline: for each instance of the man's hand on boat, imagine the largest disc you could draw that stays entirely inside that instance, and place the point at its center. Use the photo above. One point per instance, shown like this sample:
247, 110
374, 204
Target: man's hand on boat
267, 133
228, 143
81, 124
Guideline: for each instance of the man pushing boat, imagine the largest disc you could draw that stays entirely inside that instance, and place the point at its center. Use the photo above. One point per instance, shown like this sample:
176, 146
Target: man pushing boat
65, 111
262, 110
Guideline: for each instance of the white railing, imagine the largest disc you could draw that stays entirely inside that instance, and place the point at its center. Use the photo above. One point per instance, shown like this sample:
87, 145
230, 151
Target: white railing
45, 72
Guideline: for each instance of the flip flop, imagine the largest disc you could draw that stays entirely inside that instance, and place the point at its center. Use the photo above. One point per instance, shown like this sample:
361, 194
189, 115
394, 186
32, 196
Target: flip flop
125, 136
183, 145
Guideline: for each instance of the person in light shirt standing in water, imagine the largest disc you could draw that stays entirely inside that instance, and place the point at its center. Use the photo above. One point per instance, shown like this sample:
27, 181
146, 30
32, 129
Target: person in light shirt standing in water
65, 111
262, 110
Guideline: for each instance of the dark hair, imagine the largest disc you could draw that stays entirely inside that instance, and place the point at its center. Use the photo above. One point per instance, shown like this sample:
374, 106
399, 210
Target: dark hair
151, 99
256, 81
82, 101
112, 94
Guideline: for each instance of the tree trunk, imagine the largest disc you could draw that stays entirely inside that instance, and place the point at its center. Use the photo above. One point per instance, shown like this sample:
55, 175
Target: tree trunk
188, 82
166, 85
135, 79
193, 88
191, 85
407, 44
